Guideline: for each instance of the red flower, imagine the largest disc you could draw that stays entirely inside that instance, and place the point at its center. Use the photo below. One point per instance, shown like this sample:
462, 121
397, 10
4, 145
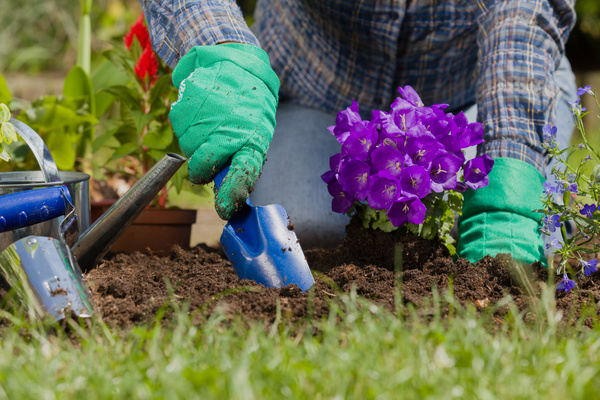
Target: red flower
147, 65
138, 30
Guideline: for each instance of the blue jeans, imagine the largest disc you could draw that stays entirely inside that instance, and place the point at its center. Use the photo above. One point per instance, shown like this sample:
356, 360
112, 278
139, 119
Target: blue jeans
300, 152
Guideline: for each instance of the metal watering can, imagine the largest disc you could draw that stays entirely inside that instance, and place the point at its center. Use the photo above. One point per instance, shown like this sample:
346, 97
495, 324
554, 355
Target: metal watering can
41, 215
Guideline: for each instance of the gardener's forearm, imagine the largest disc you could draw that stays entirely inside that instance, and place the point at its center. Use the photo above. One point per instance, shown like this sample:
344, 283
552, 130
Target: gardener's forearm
521, 44
177, 26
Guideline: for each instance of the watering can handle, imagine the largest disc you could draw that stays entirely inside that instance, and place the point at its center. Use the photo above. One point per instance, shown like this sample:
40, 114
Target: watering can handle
21, 209
218, 180
39, 149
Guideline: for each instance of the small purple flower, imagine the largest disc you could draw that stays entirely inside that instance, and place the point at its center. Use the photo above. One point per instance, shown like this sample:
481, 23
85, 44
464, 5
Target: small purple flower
344, 121
388, 158
549, 188
477, 170
361, 140
407, 209
443, 172
549, 133
566, 284
586, 89
589, 267
572, 187
415, 181
341, 201
471, 135
576, 108
354, 178
552, 222
422, 151
588, 210
554, 243
411, 95
383, 190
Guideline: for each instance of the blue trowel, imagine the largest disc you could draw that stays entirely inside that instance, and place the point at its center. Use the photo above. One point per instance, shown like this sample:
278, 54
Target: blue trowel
261, 244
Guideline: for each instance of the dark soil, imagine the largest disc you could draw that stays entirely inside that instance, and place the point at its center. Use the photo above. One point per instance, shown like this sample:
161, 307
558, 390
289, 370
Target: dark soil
131, 289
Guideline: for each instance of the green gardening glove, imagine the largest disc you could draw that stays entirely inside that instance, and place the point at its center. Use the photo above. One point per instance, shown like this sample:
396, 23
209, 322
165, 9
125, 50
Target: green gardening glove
225, 111
498, 218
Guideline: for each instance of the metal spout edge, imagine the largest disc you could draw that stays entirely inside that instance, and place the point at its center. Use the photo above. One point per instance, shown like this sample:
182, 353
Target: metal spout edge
95, 242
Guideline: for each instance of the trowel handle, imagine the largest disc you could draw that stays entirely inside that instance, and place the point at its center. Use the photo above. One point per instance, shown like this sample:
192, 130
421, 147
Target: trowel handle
218, 180
29, 207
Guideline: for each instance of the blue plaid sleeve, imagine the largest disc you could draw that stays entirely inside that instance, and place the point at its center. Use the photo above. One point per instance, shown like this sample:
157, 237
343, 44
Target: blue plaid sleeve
178, 25
520, 44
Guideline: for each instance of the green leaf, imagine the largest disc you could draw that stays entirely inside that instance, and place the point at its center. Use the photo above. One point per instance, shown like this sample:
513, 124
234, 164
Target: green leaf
160, 137
159, 88
179, 177
5, 156
156, 154
455, 201
5, 95
106, 74
78, 85
124, 150
125, 95
4, 113
105, 140
141, 119
62, 146
8, 133
121, 60
51, 116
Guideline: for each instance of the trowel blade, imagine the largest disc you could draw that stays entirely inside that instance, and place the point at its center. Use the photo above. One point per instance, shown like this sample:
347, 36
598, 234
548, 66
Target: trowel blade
45, 278
261, 244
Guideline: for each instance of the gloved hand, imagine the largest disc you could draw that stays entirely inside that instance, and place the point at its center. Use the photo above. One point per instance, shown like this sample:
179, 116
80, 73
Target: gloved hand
225, 111
498, 218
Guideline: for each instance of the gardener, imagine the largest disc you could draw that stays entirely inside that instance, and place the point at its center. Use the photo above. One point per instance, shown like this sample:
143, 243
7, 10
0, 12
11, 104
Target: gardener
505, 57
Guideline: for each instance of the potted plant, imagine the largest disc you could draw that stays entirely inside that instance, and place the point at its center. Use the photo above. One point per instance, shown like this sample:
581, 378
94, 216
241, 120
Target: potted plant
135, 135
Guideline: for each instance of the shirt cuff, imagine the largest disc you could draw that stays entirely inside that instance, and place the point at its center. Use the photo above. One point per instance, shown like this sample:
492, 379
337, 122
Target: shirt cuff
176, 27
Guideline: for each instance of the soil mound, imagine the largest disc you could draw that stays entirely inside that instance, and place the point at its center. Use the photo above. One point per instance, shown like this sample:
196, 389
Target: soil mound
131, 289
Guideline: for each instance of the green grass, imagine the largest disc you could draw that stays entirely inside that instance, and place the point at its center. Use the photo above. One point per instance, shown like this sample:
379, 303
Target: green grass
359, 352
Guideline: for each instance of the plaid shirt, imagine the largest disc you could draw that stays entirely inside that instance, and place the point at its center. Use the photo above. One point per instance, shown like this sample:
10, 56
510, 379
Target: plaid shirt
500, 54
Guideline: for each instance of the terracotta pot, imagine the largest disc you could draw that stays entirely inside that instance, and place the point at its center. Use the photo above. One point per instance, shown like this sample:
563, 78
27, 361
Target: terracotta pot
155, 229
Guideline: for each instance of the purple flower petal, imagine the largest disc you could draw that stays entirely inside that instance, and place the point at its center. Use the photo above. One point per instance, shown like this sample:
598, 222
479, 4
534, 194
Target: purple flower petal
422, 151
588, 210
328, 176
586, 89
471, 135
549, 188
476, 171
409, 209
354, 178
345, 120
566, 284
411, 95
383, 190
388, 158
549, 133
415, 180
341, 201
443, 172
590, 266
361, 140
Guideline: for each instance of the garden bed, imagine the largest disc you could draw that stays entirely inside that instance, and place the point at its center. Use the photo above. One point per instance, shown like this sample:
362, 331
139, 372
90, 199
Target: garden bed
131, 289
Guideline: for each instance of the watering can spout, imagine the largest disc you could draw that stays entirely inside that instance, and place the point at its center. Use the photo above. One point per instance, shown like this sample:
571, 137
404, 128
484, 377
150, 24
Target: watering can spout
95, 242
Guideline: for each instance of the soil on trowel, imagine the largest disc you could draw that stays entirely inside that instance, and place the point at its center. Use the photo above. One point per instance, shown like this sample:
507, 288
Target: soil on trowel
388, 269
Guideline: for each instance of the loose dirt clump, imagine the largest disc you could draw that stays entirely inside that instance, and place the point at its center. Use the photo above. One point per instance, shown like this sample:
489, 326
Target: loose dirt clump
380, 267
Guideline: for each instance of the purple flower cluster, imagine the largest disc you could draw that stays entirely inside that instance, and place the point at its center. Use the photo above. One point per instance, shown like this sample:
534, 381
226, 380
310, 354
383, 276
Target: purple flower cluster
397, 158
